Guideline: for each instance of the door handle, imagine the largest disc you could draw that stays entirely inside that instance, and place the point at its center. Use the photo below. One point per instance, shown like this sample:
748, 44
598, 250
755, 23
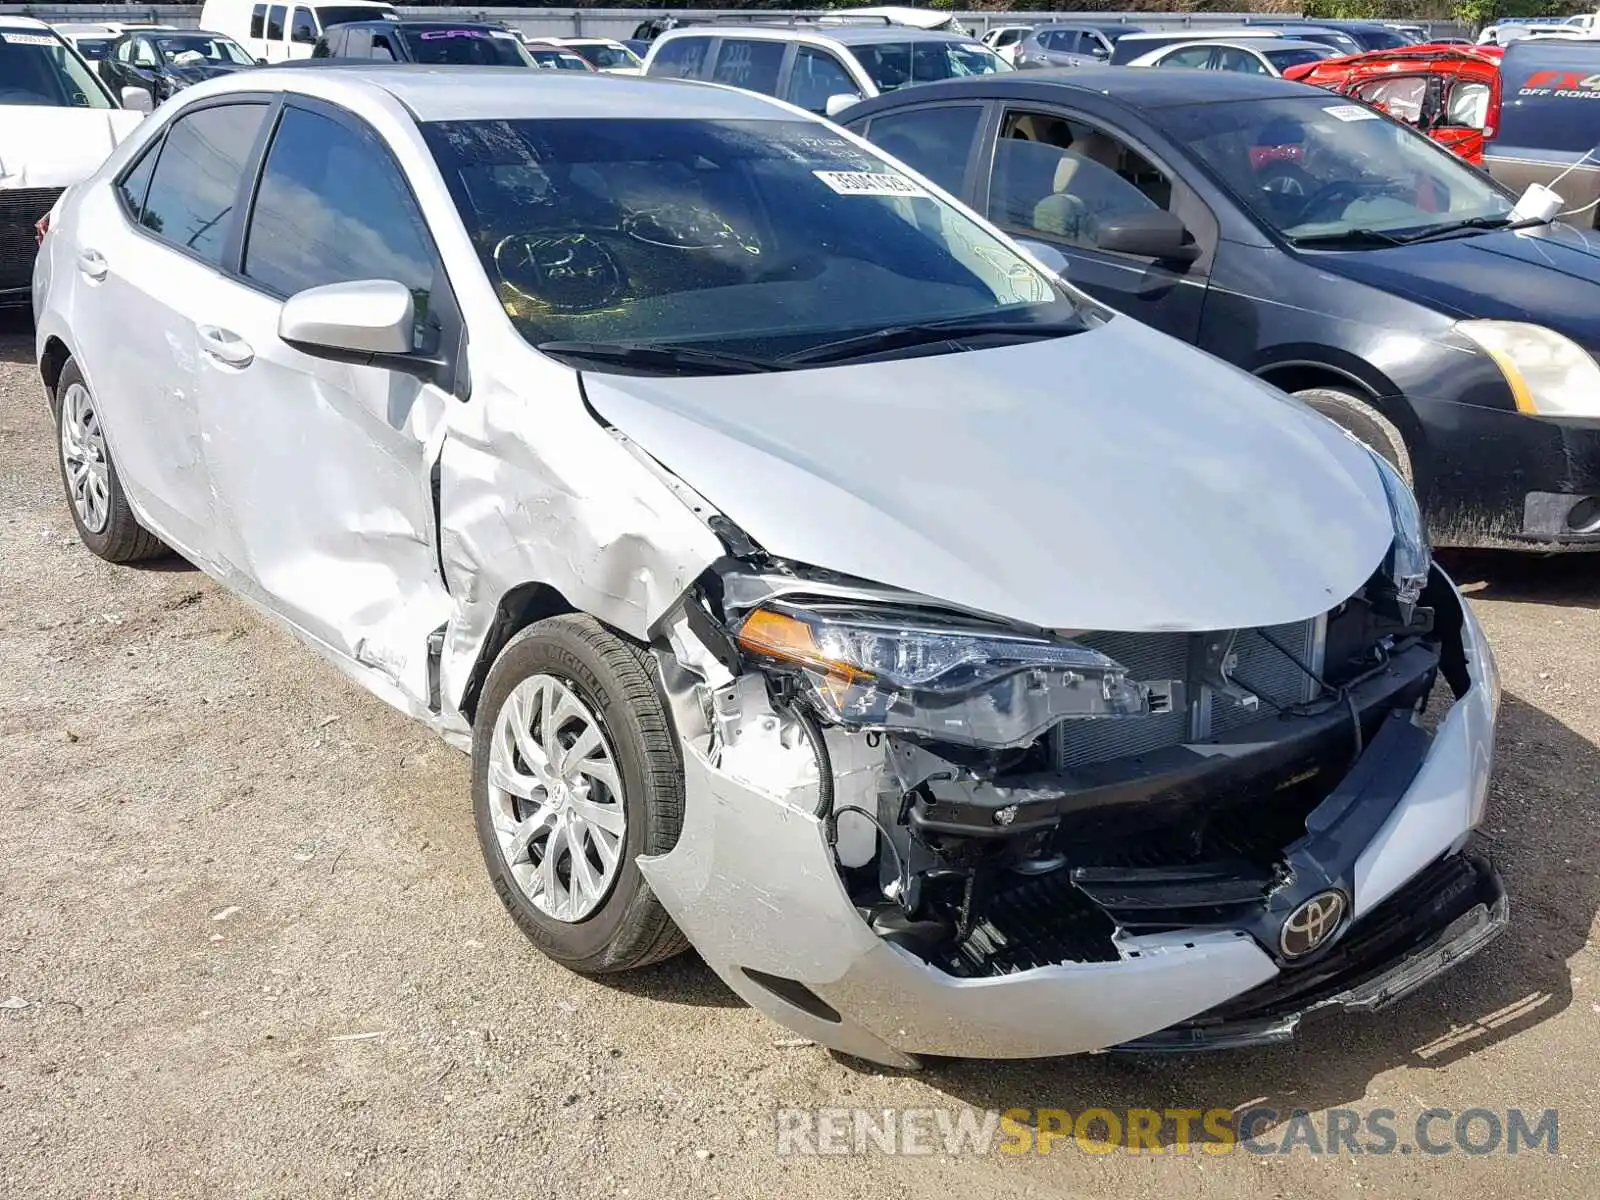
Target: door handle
93, 264
225, 346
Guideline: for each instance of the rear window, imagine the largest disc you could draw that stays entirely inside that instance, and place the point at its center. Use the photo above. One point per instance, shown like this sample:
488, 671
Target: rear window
894, 65
682, 58
465, 47
342, 14
1549, 102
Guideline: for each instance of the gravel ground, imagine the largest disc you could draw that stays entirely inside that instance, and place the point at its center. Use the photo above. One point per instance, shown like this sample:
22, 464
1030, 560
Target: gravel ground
244, 907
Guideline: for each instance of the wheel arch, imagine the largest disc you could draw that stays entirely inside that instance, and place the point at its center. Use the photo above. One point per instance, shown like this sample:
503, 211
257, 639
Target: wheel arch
518, 608
51, 363
1296, 373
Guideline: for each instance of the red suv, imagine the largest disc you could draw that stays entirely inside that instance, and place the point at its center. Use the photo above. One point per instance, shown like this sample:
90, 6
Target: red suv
1451, 93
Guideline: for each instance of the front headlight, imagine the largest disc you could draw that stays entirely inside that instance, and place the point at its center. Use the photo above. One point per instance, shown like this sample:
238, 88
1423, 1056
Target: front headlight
945, 679
1548, 373
1409, 559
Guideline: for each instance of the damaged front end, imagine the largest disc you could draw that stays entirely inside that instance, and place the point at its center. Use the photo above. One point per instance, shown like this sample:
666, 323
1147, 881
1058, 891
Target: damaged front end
911, 830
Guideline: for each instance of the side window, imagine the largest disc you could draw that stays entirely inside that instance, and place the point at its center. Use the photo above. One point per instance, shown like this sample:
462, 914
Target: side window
197, 177
258, 17
383, 48
1194, 56
332, 207
125, 52
144, 54
136, 182
681, 58
1469, 105
932, 141
1241, 61
356, 43
749, 64
303, 27
1059, 179
275, 23
816, 76
1402, 98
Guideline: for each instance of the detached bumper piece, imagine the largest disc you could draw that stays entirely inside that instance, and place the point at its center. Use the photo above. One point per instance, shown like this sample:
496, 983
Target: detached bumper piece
1446, 914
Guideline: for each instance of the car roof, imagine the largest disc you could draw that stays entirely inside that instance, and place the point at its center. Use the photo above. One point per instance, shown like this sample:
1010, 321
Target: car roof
1237, 31
1133, 87
844, 35
1238, 43
21, 23
1101, 26
465, 93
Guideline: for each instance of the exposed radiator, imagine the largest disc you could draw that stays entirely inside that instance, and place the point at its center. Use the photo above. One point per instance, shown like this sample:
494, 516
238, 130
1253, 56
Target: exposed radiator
1259, 666
20, 208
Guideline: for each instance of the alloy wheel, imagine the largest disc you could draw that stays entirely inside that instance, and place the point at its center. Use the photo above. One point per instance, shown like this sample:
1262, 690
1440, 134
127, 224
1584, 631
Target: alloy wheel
555, 798
83, 453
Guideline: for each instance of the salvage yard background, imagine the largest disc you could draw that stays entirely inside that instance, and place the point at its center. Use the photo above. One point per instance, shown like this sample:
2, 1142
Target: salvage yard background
247, 945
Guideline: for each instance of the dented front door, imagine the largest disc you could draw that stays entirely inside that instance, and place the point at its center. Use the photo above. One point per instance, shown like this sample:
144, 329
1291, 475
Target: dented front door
319, 470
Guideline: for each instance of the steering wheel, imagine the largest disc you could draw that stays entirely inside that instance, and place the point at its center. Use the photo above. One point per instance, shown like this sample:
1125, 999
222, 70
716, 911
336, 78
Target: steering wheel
1340, 189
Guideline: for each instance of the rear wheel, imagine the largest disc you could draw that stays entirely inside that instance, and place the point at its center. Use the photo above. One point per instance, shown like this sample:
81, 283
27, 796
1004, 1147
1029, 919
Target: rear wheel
1369, 426
100, 509
574, 776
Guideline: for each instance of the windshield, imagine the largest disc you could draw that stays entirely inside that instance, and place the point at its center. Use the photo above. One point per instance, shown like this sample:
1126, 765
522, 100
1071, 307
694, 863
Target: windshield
557, 60
606, 57
893, 65
210, 48
748, 237
1317, 167
38, 69
1283, 59
465, 47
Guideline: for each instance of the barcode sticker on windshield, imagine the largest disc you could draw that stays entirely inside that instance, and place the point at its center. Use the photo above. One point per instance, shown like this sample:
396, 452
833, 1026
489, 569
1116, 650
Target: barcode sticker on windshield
869, 183
28, 39
1351, 112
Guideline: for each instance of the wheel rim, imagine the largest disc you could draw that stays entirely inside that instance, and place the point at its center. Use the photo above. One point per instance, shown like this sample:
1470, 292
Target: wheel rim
83, 454
556, 799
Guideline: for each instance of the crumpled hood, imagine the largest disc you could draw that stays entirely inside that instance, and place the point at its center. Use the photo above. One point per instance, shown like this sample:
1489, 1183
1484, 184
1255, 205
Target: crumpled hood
1114, 480
1548, 275
57, 147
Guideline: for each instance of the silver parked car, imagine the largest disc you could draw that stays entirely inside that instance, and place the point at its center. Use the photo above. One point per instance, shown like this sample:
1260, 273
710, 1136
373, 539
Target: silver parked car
961, 668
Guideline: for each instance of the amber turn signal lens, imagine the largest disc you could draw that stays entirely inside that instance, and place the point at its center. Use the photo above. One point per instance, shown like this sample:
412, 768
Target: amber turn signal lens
780, 636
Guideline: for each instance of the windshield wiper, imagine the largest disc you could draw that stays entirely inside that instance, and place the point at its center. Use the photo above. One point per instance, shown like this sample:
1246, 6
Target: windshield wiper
647, 355
1349, 237
1500, 222
925, 333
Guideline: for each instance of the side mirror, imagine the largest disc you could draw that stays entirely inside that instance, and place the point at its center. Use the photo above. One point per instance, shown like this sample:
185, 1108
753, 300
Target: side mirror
303, 34
367, 321
1158, 235
837, 104
261, 62
136, 99
1098, 51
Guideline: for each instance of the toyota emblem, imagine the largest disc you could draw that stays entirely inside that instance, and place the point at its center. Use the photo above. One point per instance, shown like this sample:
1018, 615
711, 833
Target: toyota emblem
1310, 926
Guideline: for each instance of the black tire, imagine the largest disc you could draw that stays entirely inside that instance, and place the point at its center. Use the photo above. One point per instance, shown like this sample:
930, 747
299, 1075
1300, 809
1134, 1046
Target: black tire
123, 540
1370, 427
616, 680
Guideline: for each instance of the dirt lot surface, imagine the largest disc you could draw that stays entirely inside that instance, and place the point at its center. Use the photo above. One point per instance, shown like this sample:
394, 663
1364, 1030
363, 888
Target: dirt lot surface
247, 946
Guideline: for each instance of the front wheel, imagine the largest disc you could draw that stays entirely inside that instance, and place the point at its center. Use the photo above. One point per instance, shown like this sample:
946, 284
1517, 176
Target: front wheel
575, 774
1365, 423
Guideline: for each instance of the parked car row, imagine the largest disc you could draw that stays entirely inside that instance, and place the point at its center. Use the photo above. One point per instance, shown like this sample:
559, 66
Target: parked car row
823, 573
